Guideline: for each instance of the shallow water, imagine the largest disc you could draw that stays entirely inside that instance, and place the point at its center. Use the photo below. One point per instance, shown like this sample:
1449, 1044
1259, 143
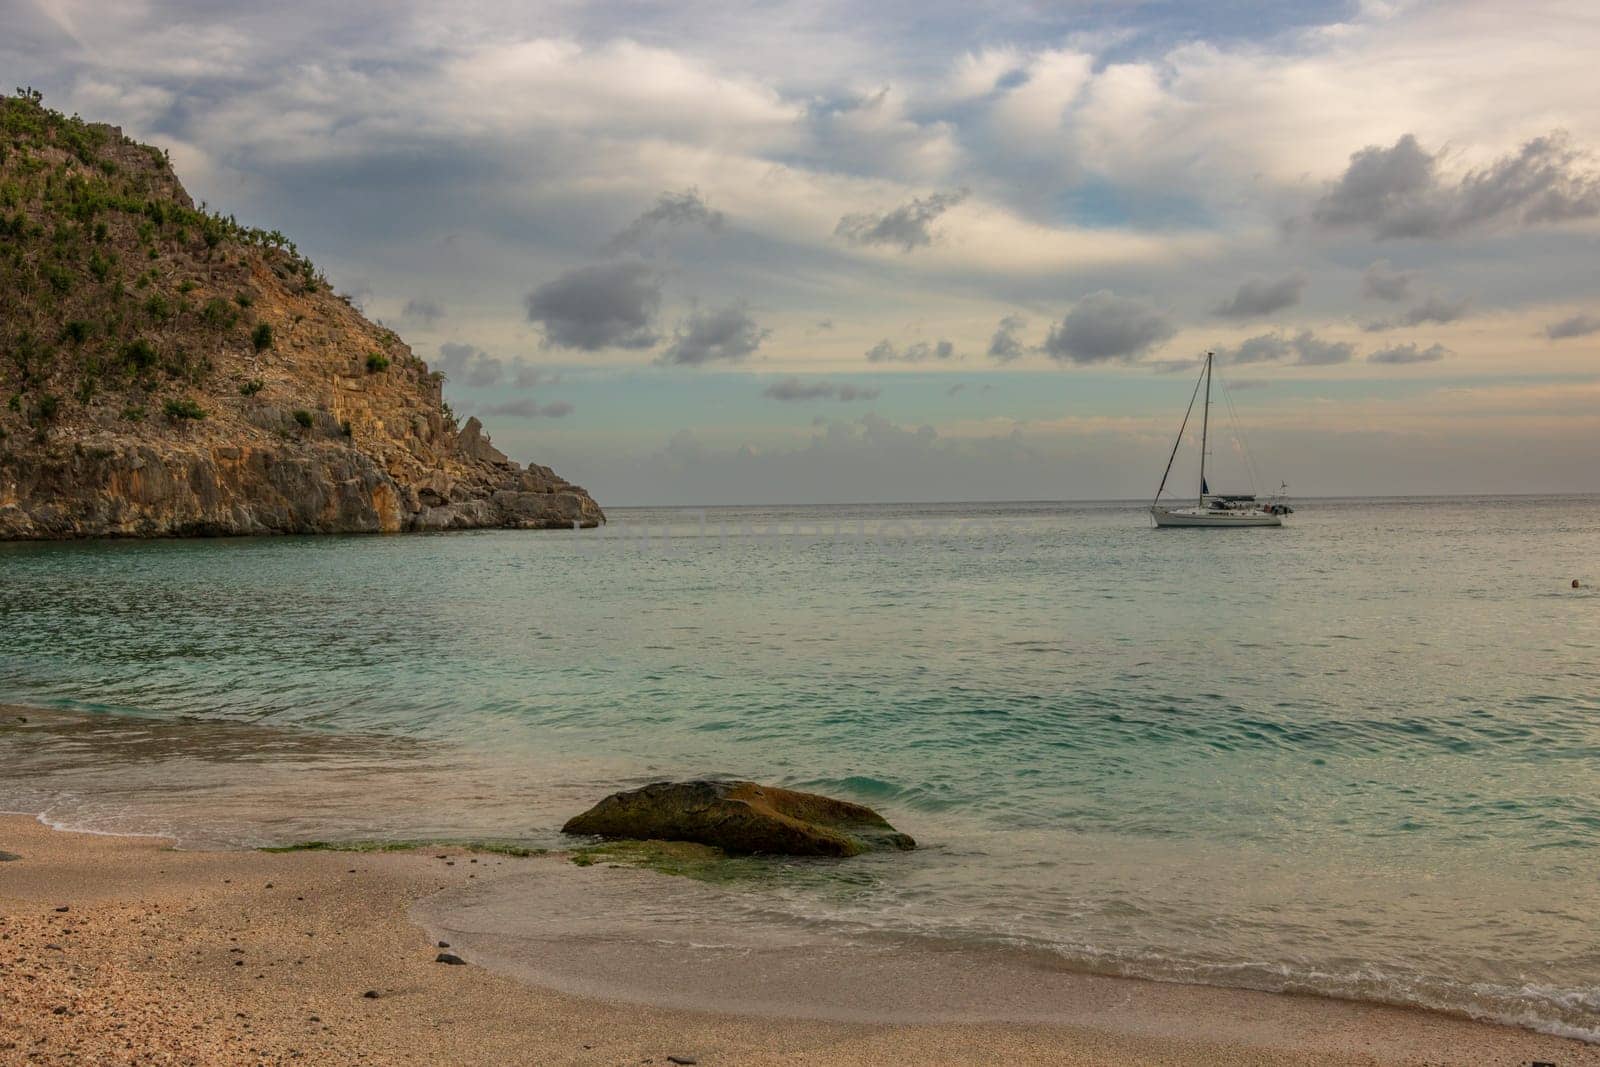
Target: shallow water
1359, 755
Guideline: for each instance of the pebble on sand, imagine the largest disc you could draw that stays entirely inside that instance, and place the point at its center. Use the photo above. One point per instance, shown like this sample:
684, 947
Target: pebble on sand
449, 957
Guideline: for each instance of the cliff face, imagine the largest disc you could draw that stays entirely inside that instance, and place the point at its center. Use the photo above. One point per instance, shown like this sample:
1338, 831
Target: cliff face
165, 371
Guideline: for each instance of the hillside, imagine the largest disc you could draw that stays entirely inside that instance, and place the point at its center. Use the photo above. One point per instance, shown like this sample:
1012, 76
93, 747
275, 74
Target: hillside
165, 371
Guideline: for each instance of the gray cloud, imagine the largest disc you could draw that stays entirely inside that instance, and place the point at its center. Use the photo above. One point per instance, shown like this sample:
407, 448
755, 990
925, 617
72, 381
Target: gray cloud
1305, 348
529, 409
1312, 351
720, 335
793, 389
530, 377
467, 365
1266, 348
1380, 281
1433, 309
1436, 309
1409, 353
607, 305
423, 309
687, 208
1398, 192
1579, 325
916, 352
1259, 297
1104, 326
1005, 345
906, 227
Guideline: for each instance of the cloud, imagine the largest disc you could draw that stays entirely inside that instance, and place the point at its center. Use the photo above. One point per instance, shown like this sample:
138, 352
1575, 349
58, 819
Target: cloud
907, 227
1258, 297
1579, 325
916, 352
1005, 346
1398, 192
709, 336
1266, 348
977, 73
1104, 326
1305, 348
687, 208
1434, 309
1312, 351
529, 409
1380, 281
607, 305
1409, 353
531, 377
794, 390
880, 133
468, 365
422, 309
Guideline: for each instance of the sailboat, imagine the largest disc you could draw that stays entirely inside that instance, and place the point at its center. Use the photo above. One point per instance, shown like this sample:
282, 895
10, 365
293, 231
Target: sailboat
1212, 509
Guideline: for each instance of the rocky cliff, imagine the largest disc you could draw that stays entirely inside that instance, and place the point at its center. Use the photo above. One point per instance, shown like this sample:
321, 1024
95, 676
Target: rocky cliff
166, 371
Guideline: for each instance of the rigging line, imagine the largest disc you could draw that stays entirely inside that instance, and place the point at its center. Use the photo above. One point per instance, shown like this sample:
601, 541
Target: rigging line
1244, 445
1184, 425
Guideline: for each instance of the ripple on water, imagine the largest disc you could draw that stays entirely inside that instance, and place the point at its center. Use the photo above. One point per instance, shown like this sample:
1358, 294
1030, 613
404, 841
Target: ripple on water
1316, 758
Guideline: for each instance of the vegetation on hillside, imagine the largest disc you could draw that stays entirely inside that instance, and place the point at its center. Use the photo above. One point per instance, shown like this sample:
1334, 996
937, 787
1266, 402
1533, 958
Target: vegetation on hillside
116, 295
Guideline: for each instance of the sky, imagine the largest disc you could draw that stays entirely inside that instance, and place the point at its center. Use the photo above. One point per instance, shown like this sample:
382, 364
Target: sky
834, 252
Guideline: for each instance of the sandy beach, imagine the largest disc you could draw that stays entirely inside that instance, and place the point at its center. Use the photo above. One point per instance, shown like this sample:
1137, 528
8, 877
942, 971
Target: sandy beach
123, 950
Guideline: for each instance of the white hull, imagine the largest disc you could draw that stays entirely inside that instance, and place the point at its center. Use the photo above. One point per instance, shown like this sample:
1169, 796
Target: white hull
1195, 516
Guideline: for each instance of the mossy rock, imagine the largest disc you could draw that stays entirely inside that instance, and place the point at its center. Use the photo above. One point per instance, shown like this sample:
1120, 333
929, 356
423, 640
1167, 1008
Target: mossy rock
741, 818
685, 859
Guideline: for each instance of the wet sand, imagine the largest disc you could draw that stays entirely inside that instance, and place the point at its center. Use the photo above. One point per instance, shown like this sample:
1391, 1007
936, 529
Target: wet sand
171, 957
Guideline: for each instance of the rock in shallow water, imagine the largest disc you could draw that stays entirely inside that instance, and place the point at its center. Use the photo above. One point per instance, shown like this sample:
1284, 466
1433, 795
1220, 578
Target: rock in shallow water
741, 817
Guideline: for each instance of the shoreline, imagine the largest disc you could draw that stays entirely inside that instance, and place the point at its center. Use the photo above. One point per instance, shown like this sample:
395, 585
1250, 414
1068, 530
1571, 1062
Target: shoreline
200, 957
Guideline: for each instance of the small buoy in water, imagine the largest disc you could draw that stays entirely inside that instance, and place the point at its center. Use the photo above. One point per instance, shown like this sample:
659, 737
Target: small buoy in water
1576, 584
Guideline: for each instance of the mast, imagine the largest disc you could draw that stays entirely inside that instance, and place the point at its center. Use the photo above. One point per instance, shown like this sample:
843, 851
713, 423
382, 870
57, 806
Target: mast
1205, 425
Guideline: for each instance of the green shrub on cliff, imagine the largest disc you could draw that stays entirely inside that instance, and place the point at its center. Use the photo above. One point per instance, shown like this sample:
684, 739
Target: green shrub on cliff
218, 313
183, 408
377, 362
139, 354
303, 417
261, 337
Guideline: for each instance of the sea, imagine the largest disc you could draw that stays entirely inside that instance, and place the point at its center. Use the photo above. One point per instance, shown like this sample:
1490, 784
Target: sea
1357, 756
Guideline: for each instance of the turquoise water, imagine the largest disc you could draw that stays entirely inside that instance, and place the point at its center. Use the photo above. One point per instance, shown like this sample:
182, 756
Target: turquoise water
1359, 755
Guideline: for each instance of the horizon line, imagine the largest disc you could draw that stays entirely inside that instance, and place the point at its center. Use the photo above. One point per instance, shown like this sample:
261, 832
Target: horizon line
1133, 501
